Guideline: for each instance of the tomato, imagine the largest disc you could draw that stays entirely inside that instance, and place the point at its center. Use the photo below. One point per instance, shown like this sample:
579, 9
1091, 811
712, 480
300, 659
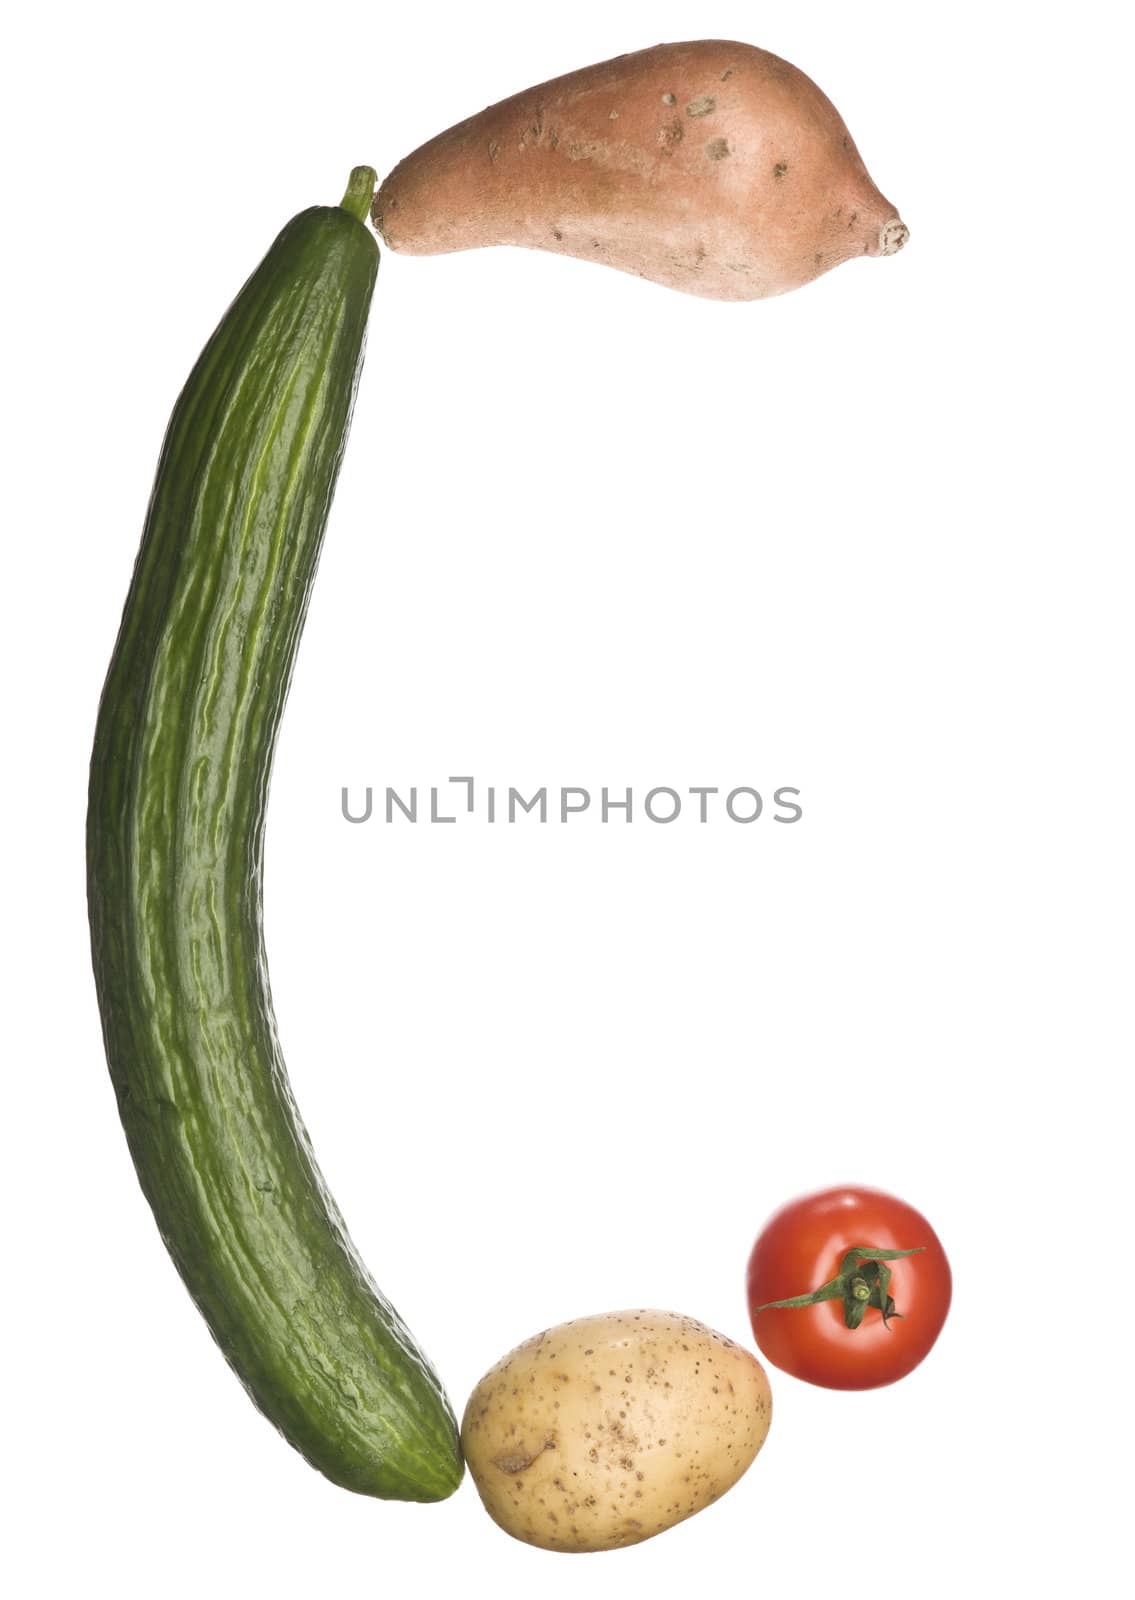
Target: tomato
850, 1255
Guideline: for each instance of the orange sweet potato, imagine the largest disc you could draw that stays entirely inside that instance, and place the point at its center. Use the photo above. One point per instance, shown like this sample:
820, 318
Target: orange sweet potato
711, 167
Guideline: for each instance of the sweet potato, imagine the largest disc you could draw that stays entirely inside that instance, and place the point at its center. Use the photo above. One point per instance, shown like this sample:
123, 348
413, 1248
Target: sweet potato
711, 167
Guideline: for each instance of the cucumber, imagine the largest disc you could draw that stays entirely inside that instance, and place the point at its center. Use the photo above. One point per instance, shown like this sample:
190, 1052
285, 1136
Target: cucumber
179, 779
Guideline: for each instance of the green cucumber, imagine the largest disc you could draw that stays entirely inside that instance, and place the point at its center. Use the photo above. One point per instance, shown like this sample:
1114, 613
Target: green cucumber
179, 780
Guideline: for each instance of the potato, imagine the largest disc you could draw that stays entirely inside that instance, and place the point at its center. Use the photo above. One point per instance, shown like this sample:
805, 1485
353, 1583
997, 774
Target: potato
604, 1431
711, 167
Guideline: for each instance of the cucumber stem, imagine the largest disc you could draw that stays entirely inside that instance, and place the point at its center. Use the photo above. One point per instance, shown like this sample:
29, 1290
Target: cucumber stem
360, 192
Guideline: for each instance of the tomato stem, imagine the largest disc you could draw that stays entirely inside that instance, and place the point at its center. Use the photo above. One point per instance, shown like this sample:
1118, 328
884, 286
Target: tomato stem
861, 1281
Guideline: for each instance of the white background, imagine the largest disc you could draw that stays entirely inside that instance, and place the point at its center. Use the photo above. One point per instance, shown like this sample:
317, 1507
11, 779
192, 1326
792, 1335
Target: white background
867, 539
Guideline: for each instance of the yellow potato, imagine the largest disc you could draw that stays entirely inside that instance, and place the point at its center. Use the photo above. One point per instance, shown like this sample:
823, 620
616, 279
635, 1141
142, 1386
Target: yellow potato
609, 1429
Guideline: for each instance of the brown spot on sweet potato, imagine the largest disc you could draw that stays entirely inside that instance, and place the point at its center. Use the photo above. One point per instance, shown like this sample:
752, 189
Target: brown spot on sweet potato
669, 99
779, 170
717, 149
702, 106
669, 135
494, 149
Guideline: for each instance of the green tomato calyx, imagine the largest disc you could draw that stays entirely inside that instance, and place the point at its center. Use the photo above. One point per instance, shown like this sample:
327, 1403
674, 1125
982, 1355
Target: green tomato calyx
862, 1281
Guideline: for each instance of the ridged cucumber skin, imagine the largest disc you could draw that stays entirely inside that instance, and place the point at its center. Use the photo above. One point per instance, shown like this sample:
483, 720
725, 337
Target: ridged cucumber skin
179, 781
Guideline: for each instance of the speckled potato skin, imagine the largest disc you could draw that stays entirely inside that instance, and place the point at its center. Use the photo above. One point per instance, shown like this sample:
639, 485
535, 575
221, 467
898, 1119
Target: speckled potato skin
607, 1430
711, 167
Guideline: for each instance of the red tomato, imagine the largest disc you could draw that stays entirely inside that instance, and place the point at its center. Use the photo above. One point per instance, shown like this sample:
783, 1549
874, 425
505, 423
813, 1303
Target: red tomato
801, 1249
